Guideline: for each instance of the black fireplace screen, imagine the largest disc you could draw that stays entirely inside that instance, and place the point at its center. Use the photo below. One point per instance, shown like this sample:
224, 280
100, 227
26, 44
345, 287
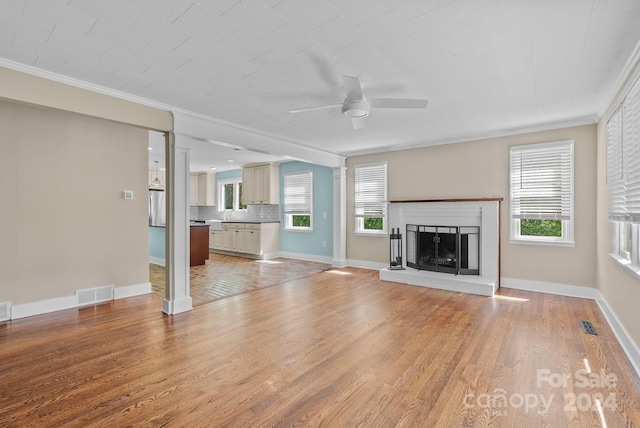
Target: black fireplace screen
444, 248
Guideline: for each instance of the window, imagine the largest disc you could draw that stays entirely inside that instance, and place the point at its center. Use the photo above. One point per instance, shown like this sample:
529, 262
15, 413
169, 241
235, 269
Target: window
542, 193
371, 198
230, 195
298, 200
623, 178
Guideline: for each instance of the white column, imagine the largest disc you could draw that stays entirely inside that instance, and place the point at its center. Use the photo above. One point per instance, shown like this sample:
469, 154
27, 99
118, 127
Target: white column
177, 291
339, 217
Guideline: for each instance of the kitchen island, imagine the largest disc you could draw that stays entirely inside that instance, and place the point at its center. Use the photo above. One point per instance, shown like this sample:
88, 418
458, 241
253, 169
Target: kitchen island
199, 244
199, 247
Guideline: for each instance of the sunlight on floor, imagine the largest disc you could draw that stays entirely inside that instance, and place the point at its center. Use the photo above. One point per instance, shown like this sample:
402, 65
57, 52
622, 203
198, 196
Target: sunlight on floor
513, 299
337, 272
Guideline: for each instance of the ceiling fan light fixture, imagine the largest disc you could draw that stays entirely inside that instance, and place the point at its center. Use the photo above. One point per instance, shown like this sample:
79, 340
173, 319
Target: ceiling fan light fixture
356, 109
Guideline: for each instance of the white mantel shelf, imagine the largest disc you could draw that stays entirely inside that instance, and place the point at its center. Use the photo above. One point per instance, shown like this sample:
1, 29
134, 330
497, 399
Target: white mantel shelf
483, 212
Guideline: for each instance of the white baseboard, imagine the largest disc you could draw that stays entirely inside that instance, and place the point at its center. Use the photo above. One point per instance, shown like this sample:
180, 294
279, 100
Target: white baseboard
550, 288
69, 302
156, 261
131, 290
305, 257
271, 256
177, 306
43, 307
339, 263
364, 264
629, 347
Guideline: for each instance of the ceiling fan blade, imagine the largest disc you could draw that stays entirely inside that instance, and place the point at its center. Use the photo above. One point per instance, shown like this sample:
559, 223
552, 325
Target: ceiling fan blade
358, 123
302, 110
353, 87
398, 103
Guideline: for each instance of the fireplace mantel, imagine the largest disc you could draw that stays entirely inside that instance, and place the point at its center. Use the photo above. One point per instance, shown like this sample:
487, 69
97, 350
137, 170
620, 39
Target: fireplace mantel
411, 201
483, 212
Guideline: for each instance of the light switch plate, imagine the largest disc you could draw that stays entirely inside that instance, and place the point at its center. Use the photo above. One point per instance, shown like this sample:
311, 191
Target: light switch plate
127, 194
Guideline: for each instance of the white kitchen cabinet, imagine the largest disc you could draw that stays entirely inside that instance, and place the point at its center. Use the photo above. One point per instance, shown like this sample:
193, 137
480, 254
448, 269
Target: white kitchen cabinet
215, 239
260, 184
256, 239
202, 189
236, 238
225, 237
193, 189
252, 239
219, 239
207, 189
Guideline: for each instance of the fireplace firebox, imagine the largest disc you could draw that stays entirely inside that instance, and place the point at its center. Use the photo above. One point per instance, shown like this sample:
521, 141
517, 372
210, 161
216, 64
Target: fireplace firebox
447, 249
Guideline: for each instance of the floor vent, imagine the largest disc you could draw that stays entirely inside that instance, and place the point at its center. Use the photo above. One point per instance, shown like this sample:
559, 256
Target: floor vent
94, 295
5, 311
588, 327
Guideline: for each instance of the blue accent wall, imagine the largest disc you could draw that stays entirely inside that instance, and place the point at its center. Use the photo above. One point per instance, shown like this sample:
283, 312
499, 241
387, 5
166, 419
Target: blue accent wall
304, 242
228, 175
157, 242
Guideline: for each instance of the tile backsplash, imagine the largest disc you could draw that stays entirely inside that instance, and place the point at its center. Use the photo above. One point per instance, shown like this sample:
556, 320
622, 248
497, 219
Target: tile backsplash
253, 213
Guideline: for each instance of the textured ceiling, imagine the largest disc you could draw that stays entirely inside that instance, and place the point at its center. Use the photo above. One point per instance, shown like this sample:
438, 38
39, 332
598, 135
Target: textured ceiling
487, 67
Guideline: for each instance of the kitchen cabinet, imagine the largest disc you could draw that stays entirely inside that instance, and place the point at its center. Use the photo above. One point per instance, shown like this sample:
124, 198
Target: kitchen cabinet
256, 239
199, 248
236, 238
202, 189
219, 239
193, 189
252, 238
260, 184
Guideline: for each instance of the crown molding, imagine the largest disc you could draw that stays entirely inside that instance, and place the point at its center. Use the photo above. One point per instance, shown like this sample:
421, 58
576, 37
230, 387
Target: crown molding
629, 74
481, 136
288, 148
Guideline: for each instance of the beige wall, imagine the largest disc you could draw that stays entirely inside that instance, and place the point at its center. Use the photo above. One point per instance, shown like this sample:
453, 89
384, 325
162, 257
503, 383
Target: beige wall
22, 87
63, 223
481, 169
619, 288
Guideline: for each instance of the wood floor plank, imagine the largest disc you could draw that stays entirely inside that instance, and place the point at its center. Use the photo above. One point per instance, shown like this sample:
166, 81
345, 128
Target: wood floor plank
336, 348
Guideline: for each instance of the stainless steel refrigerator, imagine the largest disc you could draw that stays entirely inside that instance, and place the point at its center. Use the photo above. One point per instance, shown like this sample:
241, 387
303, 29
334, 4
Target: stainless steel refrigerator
157, 210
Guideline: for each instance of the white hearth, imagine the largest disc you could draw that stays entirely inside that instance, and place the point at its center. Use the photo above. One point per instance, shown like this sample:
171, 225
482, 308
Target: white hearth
477, 212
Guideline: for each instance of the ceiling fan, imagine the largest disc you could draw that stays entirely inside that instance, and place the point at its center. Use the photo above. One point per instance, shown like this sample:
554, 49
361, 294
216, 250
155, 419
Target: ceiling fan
356, 106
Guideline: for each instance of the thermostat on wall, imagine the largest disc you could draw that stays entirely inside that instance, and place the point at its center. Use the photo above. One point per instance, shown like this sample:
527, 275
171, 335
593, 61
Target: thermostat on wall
127, 194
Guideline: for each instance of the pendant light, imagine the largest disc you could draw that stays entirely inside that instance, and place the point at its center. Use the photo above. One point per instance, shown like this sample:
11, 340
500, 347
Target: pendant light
156, 181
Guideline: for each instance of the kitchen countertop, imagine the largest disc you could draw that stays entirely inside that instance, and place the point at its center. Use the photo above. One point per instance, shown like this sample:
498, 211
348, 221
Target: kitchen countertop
251, 221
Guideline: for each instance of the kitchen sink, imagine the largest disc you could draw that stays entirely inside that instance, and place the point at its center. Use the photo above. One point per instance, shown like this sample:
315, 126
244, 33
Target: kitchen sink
214, 224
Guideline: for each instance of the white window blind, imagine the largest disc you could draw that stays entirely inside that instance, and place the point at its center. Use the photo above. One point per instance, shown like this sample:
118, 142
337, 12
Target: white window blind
623, 159
542, 181
631, 152
615, 179
371, 190
297, 193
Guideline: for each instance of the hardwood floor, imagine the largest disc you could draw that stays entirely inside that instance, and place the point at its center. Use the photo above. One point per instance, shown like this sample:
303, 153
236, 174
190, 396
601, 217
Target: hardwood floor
224, 276
337, 348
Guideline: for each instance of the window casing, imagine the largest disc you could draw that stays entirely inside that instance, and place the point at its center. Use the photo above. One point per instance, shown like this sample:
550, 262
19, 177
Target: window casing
229, 195
542, 193
298, 201
371, 198
623, 178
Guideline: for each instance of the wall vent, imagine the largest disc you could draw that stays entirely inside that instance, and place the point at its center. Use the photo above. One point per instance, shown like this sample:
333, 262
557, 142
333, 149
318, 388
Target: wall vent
94, 295
5, 311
